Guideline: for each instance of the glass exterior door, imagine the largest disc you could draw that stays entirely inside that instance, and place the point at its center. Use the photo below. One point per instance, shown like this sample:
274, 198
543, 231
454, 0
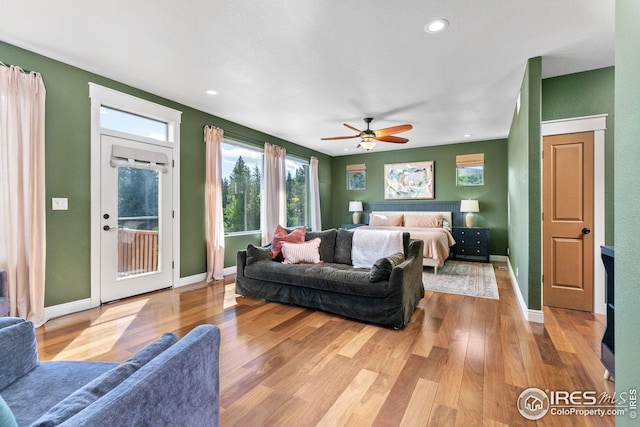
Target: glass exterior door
136, 247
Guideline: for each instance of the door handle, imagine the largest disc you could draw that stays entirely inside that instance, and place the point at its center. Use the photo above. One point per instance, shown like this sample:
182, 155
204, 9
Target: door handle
586, 230
107, 228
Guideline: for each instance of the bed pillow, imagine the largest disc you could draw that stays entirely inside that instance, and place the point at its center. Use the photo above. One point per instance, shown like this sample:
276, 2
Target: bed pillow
424, 221
380, 220
307, 252
280, 236
381, 269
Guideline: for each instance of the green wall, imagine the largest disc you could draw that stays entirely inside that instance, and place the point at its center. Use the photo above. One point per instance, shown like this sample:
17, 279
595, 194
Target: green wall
67, 152
524, 173
585, 94
627, 193
491, 196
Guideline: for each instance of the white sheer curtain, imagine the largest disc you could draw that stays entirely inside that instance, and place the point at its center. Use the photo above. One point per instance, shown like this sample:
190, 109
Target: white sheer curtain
213, 203
22, 195
314, 189
274, 202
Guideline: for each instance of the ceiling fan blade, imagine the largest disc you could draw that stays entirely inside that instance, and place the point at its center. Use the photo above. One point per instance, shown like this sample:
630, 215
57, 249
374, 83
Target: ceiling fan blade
389, 138
352, 128
393, 129
339, 137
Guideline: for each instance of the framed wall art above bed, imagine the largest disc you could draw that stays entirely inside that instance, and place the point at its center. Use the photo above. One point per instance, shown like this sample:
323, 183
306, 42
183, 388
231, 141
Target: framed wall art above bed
409, 180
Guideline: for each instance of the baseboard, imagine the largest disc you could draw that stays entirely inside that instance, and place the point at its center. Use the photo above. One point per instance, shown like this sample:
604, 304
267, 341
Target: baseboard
536, 316
189, 280
66, 308
499, 258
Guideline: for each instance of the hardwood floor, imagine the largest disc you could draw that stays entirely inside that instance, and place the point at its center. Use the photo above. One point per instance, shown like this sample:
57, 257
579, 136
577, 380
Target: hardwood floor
461, 361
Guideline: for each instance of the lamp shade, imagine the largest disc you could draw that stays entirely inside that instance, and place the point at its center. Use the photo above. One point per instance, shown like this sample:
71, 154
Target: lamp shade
469, 206
355, 207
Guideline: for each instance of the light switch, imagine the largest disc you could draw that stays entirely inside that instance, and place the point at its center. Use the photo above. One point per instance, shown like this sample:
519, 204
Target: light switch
59, 203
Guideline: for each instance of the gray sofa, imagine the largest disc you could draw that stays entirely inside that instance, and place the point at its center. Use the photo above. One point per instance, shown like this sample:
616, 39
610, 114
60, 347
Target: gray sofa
171, 382
335, 286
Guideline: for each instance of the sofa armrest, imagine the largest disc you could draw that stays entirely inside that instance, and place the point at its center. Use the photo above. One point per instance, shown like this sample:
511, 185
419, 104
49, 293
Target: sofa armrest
179, 387
241, 262
407, 276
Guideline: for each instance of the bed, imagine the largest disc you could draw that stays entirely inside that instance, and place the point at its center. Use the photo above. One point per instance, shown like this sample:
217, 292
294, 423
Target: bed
432, 227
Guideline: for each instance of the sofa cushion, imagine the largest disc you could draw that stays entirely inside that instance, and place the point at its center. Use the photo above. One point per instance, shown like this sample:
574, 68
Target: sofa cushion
257, 253
19, 353
7, 419
280, 235
342, 253
101, 385
338, 278
381, 269
327, 245
296, 253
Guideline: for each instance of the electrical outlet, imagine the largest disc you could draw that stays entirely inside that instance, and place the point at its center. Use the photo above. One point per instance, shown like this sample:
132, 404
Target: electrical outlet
516, 271
59, 204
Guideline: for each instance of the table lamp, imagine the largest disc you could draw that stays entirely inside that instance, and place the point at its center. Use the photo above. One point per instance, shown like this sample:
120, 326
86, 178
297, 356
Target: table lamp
356, 208
469, 206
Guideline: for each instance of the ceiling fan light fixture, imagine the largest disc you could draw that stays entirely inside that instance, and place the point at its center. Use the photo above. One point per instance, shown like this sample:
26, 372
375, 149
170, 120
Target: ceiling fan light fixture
436, 25
367, 144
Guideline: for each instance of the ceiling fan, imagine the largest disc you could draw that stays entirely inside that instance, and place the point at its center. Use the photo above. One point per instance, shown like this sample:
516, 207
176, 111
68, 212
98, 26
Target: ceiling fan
369, 137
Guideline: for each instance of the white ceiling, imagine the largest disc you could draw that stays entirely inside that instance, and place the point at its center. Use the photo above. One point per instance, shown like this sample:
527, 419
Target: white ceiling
298, 69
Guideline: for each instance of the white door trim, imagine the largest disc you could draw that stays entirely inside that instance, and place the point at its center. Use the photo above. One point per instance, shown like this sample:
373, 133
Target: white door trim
596, 124
99, 96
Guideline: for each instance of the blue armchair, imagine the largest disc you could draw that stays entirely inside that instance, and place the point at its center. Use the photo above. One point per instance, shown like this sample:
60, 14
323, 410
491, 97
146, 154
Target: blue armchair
170, 382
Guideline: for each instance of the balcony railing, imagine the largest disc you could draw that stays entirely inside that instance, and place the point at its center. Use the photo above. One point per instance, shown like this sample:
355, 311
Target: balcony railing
137, 251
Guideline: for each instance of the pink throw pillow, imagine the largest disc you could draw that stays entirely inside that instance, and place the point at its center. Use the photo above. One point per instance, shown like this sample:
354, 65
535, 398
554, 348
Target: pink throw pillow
426, 221
296, 253
280, 236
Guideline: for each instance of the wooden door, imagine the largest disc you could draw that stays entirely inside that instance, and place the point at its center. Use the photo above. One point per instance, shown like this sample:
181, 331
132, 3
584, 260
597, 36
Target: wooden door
567, 221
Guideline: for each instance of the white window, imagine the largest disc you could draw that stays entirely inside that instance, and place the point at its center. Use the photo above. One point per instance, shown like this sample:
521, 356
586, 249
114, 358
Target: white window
241, 178
124, 121
297, 192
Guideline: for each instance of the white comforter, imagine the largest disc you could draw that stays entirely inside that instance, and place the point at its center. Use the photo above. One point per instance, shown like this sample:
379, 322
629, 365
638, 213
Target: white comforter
436, 240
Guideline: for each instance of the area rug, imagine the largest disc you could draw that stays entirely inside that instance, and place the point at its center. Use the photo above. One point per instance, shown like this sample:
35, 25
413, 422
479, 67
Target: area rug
474, 279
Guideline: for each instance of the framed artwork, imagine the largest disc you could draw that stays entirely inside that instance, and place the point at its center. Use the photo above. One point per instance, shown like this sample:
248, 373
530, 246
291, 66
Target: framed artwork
470, 175
357, 180
409, 180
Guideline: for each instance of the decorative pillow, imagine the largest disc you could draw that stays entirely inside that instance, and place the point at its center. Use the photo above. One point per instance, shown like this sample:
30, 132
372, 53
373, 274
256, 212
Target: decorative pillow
445, 224
296, 253
7, 419
327, 244
344, 240
256, 253
83, 397
381, 269
280, 236
424, 221
380, 220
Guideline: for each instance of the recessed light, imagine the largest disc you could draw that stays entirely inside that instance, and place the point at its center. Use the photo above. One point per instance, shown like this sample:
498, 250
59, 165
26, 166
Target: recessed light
436, 25
211, 92
467, 135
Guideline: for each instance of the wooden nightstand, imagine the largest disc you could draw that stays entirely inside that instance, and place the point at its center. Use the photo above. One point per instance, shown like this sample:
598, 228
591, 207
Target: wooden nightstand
471, 242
